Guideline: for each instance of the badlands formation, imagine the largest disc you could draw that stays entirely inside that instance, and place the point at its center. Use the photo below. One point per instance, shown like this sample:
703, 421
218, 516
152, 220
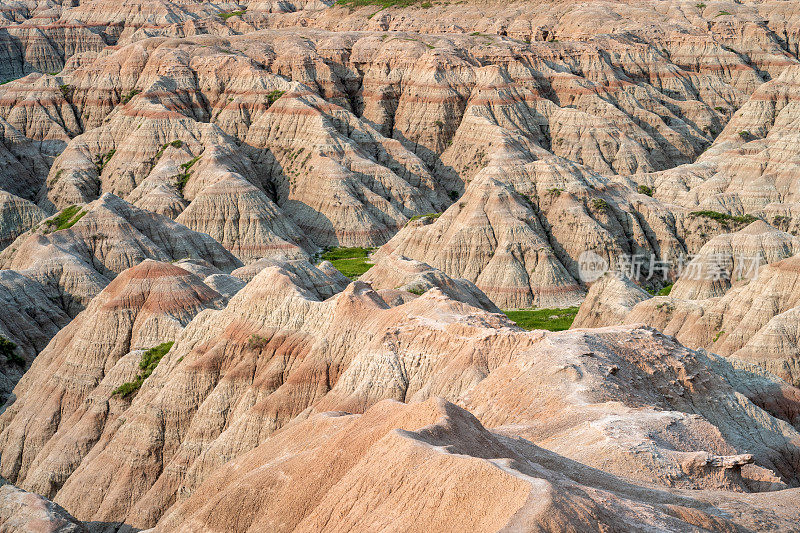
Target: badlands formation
253, 257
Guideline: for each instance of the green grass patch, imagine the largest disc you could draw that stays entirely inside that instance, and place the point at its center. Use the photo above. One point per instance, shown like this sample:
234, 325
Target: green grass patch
229, 14
352, 268
428, 215
352, 262
549, 319
177, 143
65, 219
345, 253
149, 362
664, 291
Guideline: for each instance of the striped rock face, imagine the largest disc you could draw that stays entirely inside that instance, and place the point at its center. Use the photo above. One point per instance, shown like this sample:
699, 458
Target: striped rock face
175, 354
143, 307
246, 378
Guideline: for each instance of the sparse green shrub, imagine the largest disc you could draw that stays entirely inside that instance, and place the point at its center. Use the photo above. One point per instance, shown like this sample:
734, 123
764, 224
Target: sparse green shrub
8, 349
101, 160
419, 291
599, 204
185, 174
127, 97
718, 335
780, 221
177, 143
644, 189
65, 219
66, 90
257, 342
666, 307
147, 365
724, 218
273, 96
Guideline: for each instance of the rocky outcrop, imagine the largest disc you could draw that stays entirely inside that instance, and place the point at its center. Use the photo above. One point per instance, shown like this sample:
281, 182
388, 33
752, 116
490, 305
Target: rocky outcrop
80, 250
730, 177
23, 512
169, 171
31, 317
608, 302
16, 217
736, 298
519, 231
752, 321
733, 258
245, 221
415, 277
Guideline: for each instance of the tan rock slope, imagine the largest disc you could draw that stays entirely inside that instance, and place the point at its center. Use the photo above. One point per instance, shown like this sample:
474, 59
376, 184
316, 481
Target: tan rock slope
278, 353
608, 302
54, 270
404, 278
741, 254
326, 471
